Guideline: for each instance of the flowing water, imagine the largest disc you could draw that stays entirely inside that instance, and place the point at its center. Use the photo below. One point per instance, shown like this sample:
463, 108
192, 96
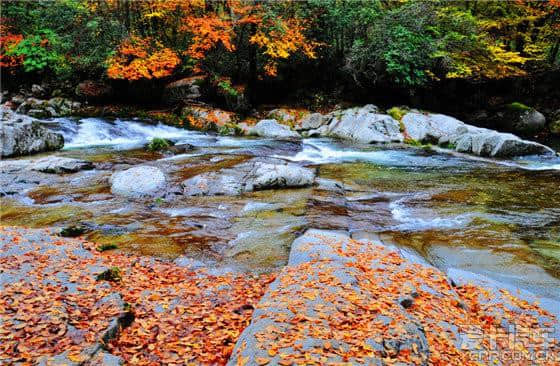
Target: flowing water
500, 219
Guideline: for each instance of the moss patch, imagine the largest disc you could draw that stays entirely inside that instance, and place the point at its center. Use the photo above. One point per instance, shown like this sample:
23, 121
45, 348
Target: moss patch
518, 107
18, 215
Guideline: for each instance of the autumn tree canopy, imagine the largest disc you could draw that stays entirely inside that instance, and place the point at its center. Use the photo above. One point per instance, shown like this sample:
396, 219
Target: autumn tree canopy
407, 43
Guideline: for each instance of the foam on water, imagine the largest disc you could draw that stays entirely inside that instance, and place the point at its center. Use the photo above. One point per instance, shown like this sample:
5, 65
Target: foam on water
90, 132
411, 220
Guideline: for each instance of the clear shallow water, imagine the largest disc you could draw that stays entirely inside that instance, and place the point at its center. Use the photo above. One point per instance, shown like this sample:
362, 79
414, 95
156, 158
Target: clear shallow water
499, 218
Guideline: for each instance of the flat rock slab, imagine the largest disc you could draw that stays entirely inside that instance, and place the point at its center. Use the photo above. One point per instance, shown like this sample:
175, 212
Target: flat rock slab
58, 165
342, 301
250, 176
52, 308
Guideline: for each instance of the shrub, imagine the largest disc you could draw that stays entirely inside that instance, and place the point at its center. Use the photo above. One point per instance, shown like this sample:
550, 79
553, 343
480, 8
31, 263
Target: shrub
158, 144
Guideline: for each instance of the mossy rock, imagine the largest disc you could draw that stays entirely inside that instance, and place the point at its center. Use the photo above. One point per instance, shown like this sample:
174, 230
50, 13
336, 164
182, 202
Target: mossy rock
73, 231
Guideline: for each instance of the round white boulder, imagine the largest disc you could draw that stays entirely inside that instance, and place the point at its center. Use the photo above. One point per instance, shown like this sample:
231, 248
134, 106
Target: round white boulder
141, 181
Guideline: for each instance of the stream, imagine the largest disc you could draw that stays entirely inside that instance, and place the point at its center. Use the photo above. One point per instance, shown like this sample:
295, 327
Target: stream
499, 219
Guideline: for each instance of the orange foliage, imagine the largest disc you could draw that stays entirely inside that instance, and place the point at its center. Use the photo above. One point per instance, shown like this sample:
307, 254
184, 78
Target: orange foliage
7, 41
281, 41
209, 31
141, 58
182, 316
278, 38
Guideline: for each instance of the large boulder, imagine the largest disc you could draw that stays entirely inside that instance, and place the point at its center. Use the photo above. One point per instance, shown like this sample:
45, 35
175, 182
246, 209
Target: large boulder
185, 90
251, 176
58, 165
138, 182
315, 299
450, 132
364, 125
22, 135
519, 119
271, 129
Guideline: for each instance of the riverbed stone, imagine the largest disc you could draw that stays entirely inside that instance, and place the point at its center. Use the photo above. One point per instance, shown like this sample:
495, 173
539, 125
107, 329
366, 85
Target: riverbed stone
59, 165
269, 128
138, 182
364, 125
247, 177
23, 135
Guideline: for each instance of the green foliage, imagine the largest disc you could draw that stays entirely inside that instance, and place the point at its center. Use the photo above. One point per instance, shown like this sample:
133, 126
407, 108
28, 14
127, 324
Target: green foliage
158, 144
106, 247
112, 274
449, 145
412, 142
226, 87
403, 43
397, 113
230, 129
40, 51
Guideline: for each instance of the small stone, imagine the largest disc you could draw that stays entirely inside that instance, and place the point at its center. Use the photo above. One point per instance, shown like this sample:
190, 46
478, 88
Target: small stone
406, 301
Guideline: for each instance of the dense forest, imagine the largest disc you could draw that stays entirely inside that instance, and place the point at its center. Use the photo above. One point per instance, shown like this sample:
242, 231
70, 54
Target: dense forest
315, 49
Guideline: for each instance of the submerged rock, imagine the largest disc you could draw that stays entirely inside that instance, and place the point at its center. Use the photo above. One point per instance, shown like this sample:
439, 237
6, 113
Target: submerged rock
247, 177
271, 129
58, 165
23, 135
137, 182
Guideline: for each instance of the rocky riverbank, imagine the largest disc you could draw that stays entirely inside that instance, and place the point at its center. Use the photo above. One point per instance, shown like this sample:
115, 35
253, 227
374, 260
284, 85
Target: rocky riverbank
183, 222
65, 301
